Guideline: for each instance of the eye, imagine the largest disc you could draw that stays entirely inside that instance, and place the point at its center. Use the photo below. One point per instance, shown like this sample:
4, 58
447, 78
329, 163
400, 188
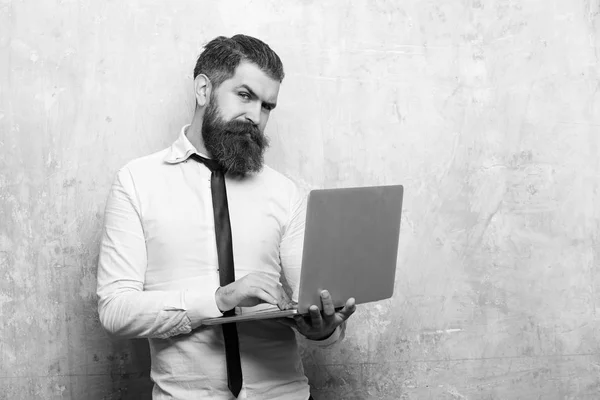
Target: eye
244, 95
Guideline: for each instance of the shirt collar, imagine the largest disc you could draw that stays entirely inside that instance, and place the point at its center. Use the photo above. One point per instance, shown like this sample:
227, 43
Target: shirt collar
181, 149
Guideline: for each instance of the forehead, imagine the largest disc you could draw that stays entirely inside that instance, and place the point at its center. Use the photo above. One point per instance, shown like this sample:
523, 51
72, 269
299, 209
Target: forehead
249, 74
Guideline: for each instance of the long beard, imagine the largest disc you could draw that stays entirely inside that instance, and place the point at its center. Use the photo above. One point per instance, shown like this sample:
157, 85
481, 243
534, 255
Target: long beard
238, 146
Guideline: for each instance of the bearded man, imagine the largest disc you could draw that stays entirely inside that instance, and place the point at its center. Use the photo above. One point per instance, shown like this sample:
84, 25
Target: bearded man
177, 222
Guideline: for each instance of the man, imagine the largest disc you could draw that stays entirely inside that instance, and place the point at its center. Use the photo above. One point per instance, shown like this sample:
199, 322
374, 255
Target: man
160, 262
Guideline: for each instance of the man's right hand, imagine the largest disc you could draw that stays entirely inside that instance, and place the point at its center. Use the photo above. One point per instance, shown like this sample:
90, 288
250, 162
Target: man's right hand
251, 290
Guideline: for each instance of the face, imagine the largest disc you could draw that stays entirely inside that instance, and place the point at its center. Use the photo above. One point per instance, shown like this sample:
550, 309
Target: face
235, 119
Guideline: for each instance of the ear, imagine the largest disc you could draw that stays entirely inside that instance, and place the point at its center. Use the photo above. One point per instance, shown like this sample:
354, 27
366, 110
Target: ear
202, 88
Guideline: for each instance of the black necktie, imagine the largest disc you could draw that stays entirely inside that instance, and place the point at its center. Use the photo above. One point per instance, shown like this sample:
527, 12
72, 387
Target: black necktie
226, 268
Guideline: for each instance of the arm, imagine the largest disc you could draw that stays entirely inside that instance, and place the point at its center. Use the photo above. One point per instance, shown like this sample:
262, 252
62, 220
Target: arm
125, 309
325, 328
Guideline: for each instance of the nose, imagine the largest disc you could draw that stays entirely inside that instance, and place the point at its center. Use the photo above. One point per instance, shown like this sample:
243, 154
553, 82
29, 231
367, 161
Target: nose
253, 114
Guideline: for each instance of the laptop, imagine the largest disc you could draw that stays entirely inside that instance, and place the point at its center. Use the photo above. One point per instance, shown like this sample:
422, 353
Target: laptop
350, 249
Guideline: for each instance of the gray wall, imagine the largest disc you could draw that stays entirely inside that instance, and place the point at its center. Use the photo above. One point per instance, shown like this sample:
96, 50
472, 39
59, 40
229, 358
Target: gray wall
487, 111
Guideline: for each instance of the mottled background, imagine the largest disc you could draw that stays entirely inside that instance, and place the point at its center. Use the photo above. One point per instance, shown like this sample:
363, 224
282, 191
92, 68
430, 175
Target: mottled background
487, 111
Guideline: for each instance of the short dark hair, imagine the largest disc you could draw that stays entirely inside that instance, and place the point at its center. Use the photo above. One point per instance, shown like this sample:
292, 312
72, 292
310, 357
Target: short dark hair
222, 55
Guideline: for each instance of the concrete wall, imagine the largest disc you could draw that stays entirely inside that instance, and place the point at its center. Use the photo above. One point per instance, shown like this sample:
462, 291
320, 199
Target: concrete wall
487, 111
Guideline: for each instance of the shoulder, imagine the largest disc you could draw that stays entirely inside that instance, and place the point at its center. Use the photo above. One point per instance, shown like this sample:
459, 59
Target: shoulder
146, 164
141, 171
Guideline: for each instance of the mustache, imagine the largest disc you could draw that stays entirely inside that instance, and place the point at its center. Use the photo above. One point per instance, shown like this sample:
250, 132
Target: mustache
241, 128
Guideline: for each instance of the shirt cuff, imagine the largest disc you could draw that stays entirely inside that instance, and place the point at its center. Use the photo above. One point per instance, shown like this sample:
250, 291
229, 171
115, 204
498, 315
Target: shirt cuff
200, 305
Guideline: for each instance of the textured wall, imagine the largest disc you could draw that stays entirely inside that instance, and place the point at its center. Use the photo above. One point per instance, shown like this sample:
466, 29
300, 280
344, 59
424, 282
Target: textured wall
487, 111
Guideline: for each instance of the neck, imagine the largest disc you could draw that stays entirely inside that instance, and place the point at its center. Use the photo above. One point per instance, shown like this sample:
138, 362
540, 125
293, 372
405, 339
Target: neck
194, 132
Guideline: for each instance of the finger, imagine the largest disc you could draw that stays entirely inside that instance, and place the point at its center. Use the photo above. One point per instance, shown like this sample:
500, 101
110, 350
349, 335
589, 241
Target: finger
327, 303
348, 309
273, 289
286, 299
301, 324
315, 317
277, 292
263, 295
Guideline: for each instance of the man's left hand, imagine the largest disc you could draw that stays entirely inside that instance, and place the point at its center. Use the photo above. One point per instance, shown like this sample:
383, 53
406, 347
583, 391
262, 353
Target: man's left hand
320, 325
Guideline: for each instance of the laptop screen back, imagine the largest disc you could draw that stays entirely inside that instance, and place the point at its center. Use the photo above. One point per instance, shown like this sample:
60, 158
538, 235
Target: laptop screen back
350, 244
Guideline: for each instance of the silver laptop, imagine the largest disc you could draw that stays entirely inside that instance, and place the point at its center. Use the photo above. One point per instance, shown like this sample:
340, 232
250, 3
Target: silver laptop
350, 249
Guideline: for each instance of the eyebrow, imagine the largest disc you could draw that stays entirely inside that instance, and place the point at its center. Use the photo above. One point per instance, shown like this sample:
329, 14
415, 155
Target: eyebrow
269, 105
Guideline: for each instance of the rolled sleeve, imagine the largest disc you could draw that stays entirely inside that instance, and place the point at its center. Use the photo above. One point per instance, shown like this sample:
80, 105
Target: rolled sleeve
124, 308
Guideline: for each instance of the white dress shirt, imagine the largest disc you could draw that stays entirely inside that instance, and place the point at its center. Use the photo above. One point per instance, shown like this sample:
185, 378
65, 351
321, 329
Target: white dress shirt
157, 274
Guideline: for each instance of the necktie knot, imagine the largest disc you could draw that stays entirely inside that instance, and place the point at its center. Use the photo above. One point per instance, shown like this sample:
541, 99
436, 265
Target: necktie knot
213, 165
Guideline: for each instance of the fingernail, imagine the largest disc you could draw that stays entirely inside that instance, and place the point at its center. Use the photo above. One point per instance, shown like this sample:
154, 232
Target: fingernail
324, 293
